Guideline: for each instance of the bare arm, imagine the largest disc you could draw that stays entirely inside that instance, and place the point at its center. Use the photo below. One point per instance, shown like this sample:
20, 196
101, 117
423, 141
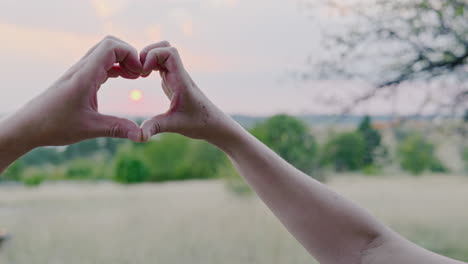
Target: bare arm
330, 227
68, 111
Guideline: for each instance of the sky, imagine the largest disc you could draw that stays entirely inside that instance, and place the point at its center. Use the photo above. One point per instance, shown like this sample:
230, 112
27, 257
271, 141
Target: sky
241, 53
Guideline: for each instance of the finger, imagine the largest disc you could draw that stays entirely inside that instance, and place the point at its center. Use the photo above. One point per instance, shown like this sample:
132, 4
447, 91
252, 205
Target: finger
157, 124
166, 59
146, 49
116, 127
166, 89
91, 50
118, 71
109, 52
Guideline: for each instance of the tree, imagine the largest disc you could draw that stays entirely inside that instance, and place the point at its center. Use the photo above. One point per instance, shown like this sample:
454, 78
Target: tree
130, 168
290, 138
372, 140
345, 152
202, 160
175, 157
82, 149
400, 44
417, 155
41, 156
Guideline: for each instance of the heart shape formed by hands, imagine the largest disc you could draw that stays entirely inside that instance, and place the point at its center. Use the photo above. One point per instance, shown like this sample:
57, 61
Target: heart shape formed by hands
68, 111
190, 112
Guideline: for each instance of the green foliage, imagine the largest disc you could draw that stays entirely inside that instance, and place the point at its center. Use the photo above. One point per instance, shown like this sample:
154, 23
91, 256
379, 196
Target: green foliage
437, 166
372, 140
34, 179
14, 172
465, 156
165, 157
43, 155
371, 170
130, 168
291, 139
174, 157
85, 169
203, 160
169, 157
91, 147
417, 155
105, 147
345, 152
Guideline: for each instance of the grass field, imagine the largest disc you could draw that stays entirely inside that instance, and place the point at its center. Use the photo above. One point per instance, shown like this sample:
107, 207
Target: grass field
201, 222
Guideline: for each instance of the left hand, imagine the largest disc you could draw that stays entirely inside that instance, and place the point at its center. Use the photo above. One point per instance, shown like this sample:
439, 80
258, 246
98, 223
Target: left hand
68, 111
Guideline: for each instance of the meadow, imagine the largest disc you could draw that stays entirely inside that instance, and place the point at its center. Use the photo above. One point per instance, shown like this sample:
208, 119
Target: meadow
203, 222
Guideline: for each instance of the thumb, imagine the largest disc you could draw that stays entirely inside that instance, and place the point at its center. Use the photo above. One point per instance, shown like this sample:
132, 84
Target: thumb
157, 124
116, 127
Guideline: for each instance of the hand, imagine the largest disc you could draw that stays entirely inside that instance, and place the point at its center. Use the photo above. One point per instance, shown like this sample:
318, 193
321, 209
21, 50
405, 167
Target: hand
191, 113
68, 111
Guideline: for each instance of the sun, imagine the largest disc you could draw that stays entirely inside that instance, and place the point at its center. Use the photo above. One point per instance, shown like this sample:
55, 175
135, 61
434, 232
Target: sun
136, 95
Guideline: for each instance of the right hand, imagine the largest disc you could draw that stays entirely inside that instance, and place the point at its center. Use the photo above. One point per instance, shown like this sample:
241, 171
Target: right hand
191, 113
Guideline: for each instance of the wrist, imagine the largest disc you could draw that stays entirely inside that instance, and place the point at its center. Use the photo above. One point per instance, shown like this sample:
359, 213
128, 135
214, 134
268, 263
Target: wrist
229, 135
17, 133
14, 141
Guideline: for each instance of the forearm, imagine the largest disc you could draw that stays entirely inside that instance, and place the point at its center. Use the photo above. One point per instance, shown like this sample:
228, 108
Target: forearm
329, 226
14, 140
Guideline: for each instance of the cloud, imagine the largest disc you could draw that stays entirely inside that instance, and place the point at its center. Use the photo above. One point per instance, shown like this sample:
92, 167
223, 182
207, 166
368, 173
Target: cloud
44, 44
228, 3
108, 8
153, 32
187, 28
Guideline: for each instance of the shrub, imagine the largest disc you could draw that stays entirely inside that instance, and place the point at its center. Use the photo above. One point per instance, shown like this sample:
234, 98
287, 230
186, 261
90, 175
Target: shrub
202, 160
416, 155
130, 167
371, 170
84, 169
174, 157
34, 179
291, 139
165, 157
14, 172
345, 152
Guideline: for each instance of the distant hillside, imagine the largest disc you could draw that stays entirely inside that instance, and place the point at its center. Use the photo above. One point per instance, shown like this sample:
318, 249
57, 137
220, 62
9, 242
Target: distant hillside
250, 121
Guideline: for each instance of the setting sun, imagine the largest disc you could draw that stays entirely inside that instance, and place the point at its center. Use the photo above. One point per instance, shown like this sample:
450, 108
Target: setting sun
136, 95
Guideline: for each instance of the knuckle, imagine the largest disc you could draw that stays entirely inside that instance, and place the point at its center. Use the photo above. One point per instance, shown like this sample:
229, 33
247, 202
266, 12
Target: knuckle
110, 37
115, 130
173, 51
108, 42
150, 55
165, 43
155, 127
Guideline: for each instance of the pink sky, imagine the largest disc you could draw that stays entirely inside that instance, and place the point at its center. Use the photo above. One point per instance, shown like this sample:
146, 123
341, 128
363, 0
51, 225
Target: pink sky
240, 52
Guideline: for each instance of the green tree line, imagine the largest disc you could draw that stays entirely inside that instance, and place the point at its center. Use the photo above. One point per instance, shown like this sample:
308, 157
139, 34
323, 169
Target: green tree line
171, 157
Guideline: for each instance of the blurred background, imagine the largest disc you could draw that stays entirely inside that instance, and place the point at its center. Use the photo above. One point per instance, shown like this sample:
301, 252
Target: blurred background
367, 96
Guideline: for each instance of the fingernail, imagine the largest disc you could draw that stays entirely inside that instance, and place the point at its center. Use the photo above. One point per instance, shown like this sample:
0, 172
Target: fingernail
146, 136
135, 135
